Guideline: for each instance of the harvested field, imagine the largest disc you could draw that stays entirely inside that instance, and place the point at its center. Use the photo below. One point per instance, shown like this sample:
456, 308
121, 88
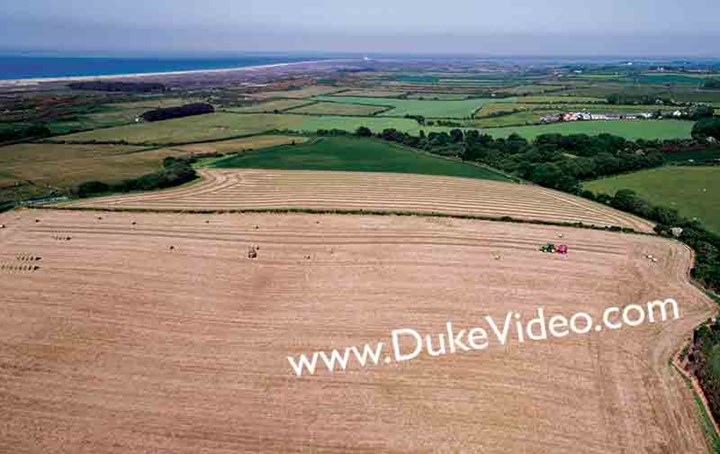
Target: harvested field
118, 344
276, 189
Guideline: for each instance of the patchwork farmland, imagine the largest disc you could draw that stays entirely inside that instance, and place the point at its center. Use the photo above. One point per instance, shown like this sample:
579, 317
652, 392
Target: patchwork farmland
162, 321
427, 108
233, 189
185, 363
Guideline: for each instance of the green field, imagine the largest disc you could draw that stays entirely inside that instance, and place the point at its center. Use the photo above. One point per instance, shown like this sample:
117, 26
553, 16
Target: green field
431, 96
305, 92
659, 79
492, 108
336, 108
310, 124
632, 130
524, 90
358, 155
271, 106
220, 126
561, 100
524, 117
691, 190
427, 108
373, 93
190, 129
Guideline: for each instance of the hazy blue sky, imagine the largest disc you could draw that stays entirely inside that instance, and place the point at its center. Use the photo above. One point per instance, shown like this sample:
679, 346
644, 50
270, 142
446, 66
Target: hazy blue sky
528, 27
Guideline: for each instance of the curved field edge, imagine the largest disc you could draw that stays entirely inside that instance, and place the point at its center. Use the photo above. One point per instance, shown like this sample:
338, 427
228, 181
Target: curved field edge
358, 155
708, 422
356, 192
705, 419
673, 266
710, 426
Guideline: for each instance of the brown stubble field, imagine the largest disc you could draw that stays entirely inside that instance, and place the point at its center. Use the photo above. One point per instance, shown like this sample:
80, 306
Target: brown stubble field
119, 344
252, 189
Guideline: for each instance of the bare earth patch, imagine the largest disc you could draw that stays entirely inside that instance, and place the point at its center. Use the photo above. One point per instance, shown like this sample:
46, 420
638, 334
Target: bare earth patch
156, 333
275, 189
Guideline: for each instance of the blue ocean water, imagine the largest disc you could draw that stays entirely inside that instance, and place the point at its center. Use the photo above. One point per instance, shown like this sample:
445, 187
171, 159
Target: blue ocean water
21, 67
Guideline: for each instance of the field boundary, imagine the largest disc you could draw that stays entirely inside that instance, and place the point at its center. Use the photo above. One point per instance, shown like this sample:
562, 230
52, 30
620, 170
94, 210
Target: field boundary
690, 380
424, 214
694, 385
269, 132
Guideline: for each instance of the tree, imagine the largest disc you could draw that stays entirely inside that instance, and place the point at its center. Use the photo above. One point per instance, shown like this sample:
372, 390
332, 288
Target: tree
363, 131
456, 135
91, 188
167, 113
701, 111
712, 83
707, 127
627, 200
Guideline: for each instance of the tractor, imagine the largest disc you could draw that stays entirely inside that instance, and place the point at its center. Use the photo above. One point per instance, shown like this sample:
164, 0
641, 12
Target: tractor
548, 248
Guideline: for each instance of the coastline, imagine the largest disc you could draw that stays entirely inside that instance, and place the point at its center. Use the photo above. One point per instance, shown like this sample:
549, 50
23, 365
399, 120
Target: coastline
5, 83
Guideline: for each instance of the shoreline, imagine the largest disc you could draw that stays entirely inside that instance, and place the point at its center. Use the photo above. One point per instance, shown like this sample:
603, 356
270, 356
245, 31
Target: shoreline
39, 80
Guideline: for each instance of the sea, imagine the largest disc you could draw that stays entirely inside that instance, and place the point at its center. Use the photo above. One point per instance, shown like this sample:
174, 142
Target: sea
32, 67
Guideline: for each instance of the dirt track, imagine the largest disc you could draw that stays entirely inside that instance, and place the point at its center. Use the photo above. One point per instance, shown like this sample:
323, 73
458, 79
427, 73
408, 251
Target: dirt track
274, 189
119, 344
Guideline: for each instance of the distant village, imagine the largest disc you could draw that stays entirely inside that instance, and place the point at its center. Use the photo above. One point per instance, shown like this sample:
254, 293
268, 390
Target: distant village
587, 116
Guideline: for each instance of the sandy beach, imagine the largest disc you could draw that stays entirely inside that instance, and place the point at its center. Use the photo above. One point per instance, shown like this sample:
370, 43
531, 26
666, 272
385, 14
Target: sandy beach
9, 83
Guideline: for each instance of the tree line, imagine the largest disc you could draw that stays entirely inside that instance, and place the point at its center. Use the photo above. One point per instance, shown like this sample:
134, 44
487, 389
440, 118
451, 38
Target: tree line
551, 160
175, 171
700, 358
563, 161
168, 113
37, 131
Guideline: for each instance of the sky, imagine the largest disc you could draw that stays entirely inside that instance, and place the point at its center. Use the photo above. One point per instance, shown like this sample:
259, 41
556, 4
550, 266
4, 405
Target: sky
477, 27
